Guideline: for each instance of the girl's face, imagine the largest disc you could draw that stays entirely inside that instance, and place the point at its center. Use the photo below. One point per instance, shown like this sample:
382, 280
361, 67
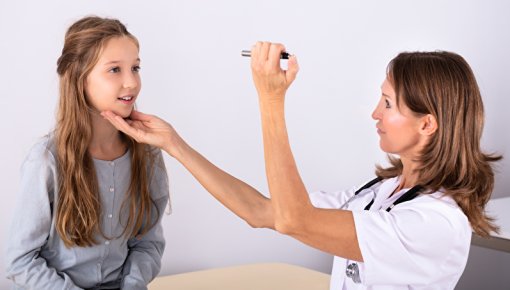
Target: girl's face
398, 127
114, 82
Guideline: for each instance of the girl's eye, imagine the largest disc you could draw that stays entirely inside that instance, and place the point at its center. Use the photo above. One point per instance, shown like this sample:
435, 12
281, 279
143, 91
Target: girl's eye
387, 104
115, 69
136, 68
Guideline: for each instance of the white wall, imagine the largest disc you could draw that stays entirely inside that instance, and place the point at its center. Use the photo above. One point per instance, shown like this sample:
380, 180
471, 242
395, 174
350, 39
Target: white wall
194, 77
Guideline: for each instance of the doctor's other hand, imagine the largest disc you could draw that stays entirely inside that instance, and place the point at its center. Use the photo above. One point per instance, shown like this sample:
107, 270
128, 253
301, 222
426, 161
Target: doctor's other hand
270, 80
147, 129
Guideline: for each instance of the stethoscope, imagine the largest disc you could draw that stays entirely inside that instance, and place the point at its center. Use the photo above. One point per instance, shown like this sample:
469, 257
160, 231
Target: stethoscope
352, 270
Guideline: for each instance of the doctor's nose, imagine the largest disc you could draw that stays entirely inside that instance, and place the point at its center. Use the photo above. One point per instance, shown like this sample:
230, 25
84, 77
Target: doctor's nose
376, 114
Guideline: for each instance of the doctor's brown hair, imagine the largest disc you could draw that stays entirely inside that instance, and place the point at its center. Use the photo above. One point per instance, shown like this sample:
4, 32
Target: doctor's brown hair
78, 210
442, 84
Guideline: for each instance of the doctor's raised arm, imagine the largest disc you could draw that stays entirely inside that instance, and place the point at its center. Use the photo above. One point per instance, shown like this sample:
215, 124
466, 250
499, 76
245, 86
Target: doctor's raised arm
329, 230
410, 225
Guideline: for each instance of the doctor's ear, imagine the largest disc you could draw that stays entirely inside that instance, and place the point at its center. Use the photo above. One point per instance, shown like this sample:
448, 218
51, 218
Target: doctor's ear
428, 125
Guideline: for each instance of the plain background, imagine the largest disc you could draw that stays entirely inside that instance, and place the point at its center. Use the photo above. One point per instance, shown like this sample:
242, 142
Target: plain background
194, 77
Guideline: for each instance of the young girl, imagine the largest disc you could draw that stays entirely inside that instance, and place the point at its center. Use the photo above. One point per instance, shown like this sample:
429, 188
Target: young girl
410, 228
91, 199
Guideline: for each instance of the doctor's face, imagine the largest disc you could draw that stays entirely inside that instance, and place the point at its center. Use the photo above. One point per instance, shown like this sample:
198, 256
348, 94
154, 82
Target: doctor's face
397, 126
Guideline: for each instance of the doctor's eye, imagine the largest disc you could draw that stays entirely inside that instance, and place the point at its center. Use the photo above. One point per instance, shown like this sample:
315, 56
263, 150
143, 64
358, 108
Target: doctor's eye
114, 69
387, 104
136, 68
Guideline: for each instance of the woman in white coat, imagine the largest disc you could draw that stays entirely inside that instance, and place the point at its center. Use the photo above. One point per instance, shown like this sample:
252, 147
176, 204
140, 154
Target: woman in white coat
410, 228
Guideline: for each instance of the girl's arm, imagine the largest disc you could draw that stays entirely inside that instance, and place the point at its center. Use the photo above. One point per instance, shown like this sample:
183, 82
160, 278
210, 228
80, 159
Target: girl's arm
239, 197
143, 262
31, 225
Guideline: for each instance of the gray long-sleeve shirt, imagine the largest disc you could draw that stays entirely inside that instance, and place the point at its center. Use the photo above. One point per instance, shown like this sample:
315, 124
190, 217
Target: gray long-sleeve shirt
36, 256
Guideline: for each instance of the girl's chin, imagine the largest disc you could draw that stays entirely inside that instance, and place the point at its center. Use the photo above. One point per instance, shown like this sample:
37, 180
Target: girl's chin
123, 113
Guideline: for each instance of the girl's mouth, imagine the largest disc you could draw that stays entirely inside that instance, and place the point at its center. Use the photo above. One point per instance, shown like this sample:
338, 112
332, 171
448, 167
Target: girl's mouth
126, 99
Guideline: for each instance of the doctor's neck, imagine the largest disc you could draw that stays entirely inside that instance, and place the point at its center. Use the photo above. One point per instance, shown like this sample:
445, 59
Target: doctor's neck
409, 177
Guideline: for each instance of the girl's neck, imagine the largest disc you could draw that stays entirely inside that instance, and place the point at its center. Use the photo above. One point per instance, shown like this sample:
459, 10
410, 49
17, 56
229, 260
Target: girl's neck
106, 142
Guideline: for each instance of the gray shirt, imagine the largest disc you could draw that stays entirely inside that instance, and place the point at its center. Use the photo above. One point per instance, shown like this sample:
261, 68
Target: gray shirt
36, 256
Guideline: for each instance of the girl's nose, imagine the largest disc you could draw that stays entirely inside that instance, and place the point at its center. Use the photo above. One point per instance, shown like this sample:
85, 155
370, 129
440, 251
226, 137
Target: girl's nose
130, 81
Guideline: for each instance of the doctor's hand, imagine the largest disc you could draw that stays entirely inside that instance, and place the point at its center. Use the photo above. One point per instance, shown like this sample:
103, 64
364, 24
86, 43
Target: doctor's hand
271, 81
147, 129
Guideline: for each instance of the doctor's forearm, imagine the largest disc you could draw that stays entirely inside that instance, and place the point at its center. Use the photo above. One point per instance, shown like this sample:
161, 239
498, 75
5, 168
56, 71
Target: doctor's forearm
331, 231
236, 195
289, 195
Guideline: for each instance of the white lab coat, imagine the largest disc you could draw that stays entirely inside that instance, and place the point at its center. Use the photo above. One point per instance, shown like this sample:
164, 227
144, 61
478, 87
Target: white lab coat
420, 244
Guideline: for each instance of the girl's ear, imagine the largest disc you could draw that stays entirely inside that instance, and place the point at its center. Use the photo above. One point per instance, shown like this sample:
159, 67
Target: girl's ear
429, 125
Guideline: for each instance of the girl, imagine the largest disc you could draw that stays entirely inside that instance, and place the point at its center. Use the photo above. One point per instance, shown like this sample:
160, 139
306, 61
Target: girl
91, 200
410, 228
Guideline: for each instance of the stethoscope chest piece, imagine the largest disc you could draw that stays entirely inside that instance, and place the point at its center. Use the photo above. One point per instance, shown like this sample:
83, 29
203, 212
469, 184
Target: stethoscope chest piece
352, 271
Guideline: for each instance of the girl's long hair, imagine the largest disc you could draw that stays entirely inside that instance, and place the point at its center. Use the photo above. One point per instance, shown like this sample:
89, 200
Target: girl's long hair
442, 84
78, 211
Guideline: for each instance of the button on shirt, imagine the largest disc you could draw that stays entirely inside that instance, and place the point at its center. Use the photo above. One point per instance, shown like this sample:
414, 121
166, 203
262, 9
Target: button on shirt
420, 244
36, 256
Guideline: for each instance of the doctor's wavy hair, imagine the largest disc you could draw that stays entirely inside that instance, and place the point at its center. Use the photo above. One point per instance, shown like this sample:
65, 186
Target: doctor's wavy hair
78, 210
442, 84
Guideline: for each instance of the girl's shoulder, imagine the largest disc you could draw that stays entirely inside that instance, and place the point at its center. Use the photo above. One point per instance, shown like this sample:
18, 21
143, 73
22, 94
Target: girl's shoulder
39, 171
158, 174
44, 150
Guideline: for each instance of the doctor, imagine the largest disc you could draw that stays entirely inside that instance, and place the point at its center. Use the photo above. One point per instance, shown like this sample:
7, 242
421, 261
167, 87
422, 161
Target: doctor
410, 228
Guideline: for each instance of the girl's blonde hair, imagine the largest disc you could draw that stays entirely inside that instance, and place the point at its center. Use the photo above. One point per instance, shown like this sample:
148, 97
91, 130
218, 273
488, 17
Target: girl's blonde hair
442, 84
79, 205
